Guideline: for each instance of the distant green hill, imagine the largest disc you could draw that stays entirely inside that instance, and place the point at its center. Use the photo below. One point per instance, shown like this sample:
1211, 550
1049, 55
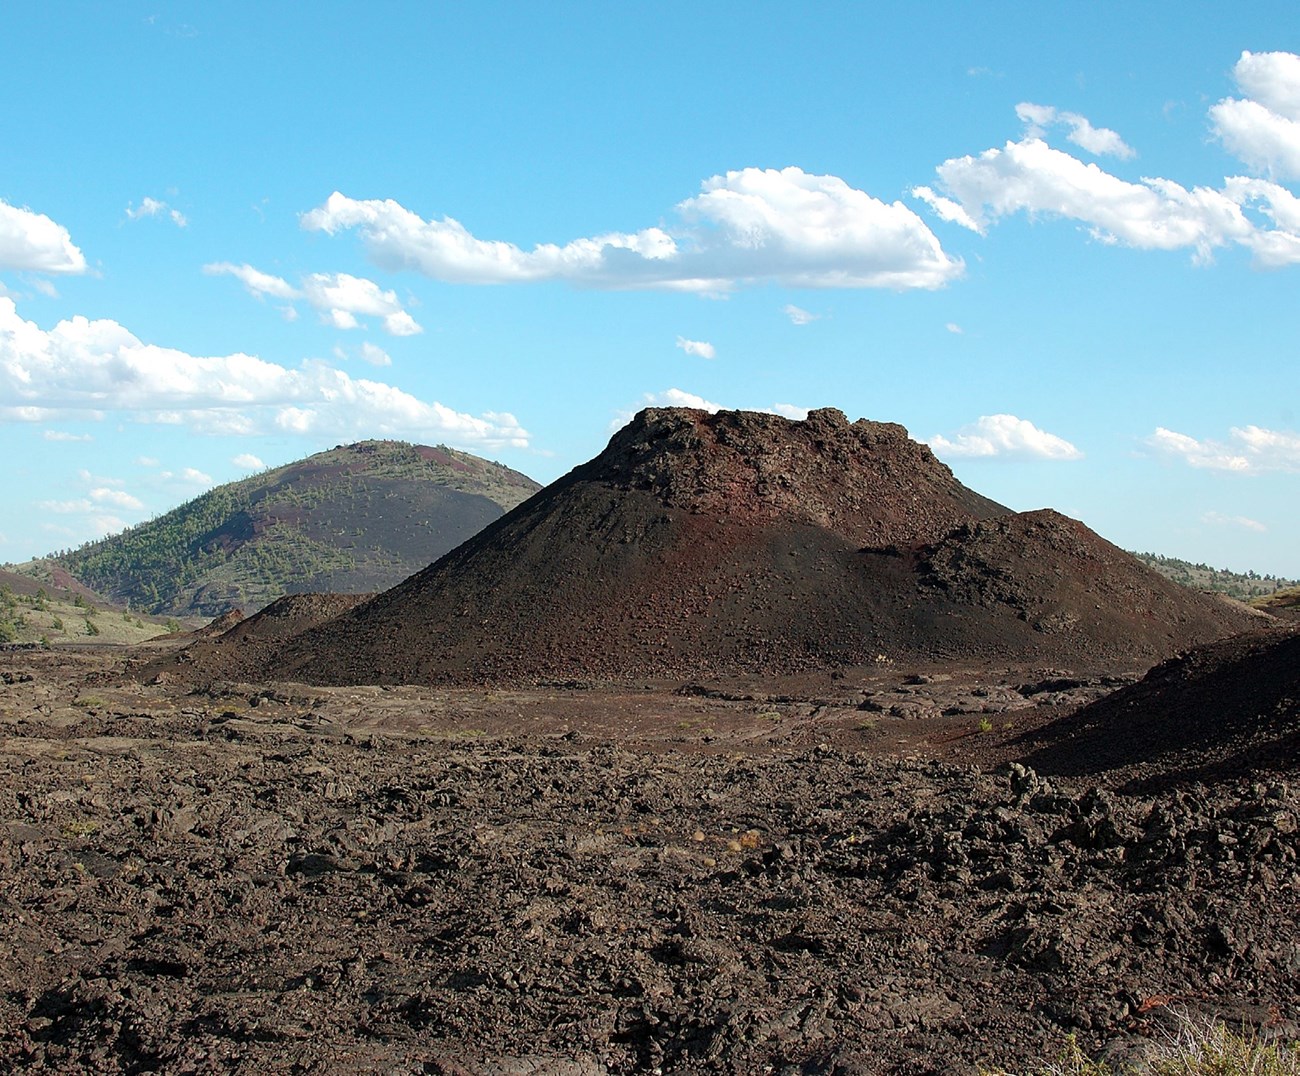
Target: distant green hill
1244, 586
356, 518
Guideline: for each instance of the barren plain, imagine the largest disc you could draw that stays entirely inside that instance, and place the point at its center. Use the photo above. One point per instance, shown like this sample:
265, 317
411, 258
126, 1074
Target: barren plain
846, 874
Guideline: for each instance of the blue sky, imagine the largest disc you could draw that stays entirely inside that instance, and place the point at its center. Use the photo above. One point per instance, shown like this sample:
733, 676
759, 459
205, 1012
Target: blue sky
1060, 243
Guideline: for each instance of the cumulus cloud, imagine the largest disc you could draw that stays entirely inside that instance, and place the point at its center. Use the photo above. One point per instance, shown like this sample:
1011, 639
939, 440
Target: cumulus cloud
258, 283
1154, 213
1218, 519
947, 209
1263, 128
1248, 450
117, 498
96, 508
31, 241
1004, 436
81, 504
188, 476
339, 297
1101, 141
791, 411
246, 461
798, 315
700, 348
1031, 176
84, 368
745, 227
954, 328
376, 356
152, 207
679, 398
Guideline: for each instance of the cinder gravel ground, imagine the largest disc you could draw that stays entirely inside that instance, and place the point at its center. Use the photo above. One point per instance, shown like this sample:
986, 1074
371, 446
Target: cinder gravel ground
276, 879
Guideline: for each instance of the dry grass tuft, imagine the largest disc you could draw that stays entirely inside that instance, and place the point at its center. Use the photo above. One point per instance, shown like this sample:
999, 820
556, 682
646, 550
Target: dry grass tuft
1194, 1047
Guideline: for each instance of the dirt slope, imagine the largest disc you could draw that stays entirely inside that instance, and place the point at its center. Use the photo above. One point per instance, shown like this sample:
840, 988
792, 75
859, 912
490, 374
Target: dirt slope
1228, 709
749, 544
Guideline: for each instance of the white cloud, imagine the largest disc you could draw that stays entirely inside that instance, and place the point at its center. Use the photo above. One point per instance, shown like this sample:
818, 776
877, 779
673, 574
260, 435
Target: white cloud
152, 207
99, 479
791, 411
66, 507
96, 508
1033, 177
1153, 214
83, 368
947, 209
338, 296
1249, 450
257, 282
1101, 141
798, 315
246, 461
118, 498
1004, 436
1263, 129
62, 435
147, 461
31, 241
1218, 519
376, 356
678, 398
700, 348
954, 328
749, 226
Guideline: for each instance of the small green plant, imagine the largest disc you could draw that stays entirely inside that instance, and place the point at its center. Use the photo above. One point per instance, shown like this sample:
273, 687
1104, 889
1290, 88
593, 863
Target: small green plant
985, 725
91, 627
79, 828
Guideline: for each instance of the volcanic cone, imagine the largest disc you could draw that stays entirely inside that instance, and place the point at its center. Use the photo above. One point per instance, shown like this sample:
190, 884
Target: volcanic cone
740, 543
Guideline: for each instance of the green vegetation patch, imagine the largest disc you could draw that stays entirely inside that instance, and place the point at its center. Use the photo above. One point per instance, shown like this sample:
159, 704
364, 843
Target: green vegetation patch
356, 518
1244, 586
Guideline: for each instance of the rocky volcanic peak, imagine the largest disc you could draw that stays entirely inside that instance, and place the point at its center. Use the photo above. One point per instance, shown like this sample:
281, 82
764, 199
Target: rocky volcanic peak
753, 545
865, 480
